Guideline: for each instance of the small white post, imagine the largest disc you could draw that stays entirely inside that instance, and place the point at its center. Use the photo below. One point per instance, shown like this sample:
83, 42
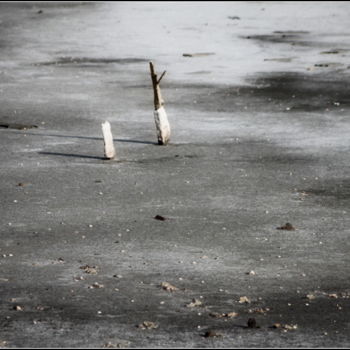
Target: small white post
162, 126
108, 140
160, 117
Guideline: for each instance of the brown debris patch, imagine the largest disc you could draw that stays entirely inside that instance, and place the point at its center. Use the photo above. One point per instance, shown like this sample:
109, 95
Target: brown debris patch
212, 334
92, 270
333, 296
96, 285
160, 218
288, 227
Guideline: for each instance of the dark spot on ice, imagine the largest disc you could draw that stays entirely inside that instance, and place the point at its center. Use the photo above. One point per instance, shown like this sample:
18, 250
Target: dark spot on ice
91, 60
284, 159
167, 158
211, 334
334, 51
16, 126
234, 18
291, 32
252, 323
160, 217
275, 37
198, 54
297, 37
336, 189
71, 155
200, 72
268, 92
282, 59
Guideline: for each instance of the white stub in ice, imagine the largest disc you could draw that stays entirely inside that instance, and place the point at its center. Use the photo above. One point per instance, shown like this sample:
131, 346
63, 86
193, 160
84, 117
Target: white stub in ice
108, 140
162, 125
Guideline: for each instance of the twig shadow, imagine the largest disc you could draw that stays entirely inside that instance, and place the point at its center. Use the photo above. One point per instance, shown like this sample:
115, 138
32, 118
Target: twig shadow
72, 155
92, 138
136, 141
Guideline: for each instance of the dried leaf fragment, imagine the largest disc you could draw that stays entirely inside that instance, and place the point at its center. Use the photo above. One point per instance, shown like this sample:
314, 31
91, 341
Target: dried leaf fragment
194, 303
310, 296
41, 308
18, 308
345, 295
244, 300
120, 344
79, 278
290, 327
287, 327
224, 315
148, 325
169, 287
259, 310
92, 270
110, 345
251, 273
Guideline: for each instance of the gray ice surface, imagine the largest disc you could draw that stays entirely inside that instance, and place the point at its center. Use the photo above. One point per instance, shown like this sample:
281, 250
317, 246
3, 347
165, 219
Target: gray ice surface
260, 137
